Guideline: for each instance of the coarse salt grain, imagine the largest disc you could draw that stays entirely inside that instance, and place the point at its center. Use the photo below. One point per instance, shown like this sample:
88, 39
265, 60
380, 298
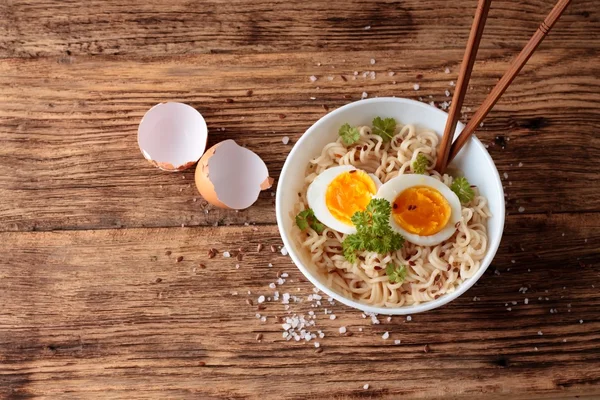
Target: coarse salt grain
332, 316
366, 28
261, 299
581, 321
505, 175
447, 70
317, 345
540, 333
364, 95
408, 318
372, 61
416, 86
366, 386
452, 83
313, 78
285, 140
447, 93
226, 254
397, 341
521, 209
342, 329
520, 164
272, 285
526, 301
270, 265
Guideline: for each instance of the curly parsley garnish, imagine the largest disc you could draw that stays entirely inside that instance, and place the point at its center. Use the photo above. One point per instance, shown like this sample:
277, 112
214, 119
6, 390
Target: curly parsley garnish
349, 134
396, 273
384, 128
374, 232
306, 219
419, 166
463, 189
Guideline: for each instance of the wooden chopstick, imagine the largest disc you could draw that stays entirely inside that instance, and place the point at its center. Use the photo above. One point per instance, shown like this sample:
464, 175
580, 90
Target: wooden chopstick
508, 77
463, 81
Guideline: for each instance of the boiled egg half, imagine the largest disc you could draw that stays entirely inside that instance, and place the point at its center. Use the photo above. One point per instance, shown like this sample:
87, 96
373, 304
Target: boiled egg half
338, 192
424, 210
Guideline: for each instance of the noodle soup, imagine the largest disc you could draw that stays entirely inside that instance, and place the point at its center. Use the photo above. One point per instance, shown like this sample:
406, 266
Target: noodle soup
445, 245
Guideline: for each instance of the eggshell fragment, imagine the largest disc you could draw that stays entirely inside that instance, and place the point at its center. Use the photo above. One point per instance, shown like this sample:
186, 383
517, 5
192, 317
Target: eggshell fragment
231, 176
172, 136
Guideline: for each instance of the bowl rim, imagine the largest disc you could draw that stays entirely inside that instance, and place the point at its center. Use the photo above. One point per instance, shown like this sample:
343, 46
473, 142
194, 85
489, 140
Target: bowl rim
404, 310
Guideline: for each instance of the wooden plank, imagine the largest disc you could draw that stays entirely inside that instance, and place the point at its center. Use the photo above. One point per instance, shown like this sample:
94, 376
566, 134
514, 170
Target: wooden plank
108, 314
49, 28
68, 129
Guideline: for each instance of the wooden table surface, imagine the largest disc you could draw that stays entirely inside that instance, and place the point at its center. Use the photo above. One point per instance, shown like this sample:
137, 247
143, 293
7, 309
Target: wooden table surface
91, 305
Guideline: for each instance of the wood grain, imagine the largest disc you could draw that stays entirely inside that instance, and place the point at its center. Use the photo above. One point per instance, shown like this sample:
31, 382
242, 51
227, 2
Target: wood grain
108, 314
153, 28
68, 127
93, 307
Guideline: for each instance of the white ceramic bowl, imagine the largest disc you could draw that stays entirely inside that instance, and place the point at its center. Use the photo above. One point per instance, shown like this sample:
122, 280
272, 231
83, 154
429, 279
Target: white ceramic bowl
473, 160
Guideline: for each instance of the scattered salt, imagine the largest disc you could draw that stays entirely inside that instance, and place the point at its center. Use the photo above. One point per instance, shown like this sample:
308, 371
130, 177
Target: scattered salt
366, 386
317, 345
391, 73
581, 321
540, 333
272, 285
366, 28
285, 140
521, 209
313, 78
520, 164
447, 70
270, 265
452, 83
505, 175
408, 318
261, 299
447, 93
526, 301
342, 329
416, 86
372, 61
364, 95
332, 316
226, 254
397, 341
385, 336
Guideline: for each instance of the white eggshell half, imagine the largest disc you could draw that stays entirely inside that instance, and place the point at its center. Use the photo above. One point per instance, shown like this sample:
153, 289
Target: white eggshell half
315, 195
237, 174
172, 136
392, 188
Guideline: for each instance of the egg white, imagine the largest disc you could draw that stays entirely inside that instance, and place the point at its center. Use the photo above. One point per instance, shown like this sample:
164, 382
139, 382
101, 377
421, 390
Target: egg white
315, 195
392, 188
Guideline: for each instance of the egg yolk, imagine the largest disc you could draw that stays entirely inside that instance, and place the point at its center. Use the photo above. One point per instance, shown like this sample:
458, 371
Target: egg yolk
348, 193
421, 210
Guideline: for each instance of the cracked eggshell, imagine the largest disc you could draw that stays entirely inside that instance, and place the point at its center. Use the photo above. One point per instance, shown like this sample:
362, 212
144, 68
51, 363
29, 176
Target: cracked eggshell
231, 176
172, 136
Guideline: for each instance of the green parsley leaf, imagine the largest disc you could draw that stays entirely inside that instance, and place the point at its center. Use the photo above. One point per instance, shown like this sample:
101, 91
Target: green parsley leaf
306, 219
463, 190
419, 166
349, 134
384, 128
373, 231
396, 273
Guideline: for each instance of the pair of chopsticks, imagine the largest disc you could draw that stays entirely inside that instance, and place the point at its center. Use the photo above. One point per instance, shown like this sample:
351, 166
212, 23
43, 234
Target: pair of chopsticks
448, 150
